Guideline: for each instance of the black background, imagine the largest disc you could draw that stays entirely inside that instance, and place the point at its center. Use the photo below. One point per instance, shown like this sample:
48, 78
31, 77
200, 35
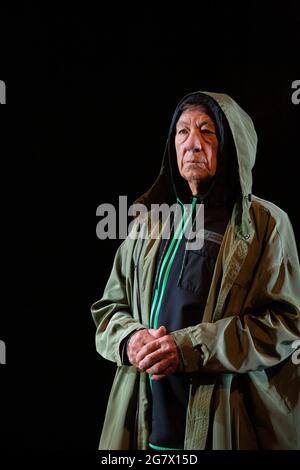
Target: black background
90, 93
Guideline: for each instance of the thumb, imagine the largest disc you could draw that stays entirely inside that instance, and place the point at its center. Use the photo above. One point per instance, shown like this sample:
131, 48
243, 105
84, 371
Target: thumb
161, 331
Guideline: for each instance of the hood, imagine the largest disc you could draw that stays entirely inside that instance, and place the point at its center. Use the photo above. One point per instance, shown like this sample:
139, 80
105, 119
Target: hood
237, 149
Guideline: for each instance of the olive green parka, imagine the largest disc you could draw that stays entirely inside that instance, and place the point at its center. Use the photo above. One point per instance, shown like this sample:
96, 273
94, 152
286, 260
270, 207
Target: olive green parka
244, 373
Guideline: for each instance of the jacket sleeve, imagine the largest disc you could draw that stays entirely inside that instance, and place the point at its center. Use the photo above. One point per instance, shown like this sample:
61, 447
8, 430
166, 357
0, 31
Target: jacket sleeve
260, 337
113, 313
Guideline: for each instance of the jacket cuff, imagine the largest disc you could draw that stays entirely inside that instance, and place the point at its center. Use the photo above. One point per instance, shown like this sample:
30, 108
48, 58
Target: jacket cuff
191, 356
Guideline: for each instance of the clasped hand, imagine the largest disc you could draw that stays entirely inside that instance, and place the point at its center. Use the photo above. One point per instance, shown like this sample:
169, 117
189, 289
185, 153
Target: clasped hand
153, 351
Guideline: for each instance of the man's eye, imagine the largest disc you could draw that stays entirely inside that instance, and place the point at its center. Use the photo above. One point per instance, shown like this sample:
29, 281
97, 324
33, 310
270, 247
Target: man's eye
182, 131
207, 131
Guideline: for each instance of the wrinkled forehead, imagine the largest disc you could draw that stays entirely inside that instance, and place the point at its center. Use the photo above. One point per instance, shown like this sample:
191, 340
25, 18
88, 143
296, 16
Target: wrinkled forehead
187, 107
198, 112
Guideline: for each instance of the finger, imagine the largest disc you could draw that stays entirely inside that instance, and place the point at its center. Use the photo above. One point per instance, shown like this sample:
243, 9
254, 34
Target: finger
162, 330
169, 371
138, 340
162, 344
151, 359
158, 333
157, 377
159, 367
147, 349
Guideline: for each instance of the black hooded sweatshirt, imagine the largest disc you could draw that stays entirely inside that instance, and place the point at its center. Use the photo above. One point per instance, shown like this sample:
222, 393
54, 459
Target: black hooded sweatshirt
183, 277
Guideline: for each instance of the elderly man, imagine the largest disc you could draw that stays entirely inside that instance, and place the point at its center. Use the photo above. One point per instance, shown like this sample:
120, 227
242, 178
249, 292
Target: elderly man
203, 339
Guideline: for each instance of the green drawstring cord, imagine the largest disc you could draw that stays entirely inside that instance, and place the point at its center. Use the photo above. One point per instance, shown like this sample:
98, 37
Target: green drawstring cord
164, 262
168, 261
169, 258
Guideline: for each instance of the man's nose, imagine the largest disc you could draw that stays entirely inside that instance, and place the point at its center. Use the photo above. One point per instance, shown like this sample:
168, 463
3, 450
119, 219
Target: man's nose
194, 143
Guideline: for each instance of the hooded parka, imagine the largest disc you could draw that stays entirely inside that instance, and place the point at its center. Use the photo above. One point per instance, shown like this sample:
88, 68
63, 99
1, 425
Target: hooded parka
243, 370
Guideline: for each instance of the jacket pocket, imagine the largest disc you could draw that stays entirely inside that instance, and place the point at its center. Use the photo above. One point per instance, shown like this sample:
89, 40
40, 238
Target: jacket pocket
198, 268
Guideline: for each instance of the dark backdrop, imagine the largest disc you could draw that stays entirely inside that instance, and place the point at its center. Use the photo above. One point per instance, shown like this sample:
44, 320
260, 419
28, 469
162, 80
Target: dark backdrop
90, 95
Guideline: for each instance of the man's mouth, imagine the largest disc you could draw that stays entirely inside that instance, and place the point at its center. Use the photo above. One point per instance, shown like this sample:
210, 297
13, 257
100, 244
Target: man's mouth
196, 163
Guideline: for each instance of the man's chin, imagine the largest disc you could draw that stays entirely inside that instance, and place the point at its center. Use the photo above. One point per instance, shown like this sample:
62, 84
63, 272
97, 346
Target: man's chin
201, 178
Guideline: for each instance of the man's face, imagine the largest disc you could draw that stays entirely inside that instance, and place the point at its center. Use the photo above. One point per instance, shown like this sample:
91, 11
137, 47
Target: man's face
196, 146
